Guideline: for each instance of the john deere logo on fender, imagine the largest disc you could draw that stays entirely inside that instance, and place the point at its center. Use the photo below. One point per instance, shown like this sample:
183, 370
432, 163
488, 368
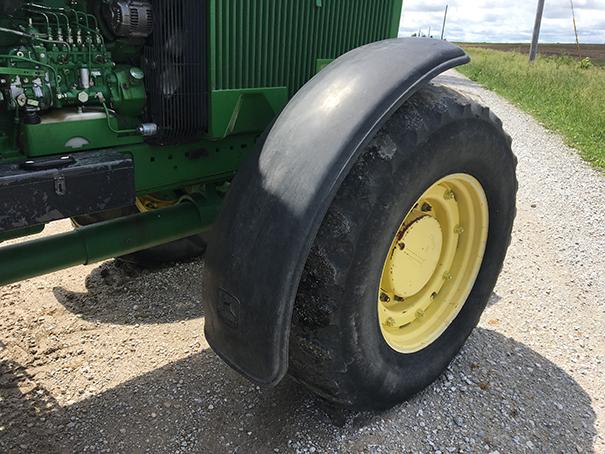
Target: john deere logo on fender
228, 308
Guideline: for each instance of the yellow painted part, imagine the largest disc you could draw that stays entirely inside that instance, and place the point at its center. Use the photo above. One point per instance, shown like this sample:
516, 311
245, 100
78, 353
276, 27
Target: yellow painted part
433, 263
149, 202
415, 257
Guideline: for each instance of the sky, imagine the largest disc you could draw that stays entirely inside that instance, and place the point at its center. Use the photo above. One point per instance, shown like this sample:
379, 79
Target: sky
505, 20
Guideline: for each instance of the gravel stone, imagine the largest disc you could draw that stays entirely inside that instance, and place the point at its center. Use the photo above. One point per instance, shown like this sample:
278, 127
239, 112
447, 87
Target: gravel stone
87, 354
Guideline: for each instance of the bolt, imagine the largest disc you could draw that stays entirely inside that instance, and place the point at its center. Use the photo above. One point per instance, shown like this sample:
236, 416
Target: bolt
433, 295
389, 322
398, 298
384, 297
426, 207
420, 313
400, 235
458, 229
449, 195
447, 276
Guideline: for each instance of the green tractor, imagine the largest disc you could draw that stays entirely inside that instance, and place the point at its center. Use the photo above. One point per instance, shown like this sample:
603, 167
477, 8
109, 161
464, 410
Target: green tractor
356, 215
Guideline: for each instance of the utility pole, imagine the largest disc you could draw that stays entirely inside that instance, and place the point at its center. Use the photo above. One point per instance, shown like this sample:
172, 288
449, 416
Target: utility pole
444, 19
533, 51
575, 29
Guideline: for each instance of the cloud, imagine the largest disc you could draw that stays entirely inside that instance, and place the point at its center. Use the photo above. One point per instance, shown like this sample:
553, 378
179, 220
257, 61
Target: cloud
505, 20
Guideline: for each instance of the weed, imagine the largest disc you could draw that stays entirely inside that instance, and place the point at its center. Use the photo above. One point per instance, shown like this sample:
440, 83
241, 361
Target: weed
565, 96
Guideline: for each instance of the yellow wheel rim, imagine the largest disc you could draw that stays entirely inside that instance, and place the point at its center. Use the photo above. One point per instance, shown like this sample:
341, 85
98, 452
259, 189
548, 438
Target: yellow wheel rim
433, 262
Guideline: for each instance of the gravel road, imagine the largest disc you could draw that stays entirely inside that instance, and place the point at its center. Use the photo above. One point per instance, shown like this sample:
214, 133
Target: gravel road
109, 358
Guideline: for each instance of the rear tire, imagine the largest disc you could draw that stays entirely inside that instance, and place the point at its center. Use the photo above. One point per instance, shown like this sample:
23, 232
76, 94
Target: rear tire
337, 346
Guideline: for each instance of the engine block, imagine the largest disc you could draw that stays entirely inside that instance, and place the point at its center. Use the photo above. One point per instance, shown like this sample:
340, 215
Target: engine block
56, 59
59, 59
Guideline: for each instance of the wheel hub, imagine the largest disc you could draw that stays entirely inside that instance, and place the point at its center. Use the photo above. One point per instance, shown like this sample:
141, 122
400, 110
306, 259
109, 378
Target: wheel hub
415, 256
433, 262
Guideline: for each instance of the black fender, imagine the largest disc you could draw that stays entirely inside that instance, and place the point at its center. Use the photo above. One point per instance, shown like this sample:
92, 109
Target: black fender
279, 198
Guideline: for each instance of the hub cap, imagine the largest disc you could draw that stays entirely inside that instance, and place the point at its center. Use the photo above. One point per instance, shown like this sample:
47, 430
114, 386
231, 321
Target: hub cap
433, 263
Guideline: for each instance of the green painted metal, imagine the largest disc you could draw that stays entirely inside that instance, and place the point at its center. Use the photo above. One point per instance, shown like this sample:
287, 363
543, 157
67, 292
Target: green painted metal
268, 43
261, 52
244, 110
321, 63
127, 93
21, 71
12, 234
395, 19
59, 127
50, 75
104, 240
160, 168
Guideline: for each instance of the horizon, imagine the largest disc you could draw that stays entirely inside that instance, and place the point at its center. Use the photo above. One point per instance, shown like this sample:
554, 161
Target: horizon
528, 43
505, 21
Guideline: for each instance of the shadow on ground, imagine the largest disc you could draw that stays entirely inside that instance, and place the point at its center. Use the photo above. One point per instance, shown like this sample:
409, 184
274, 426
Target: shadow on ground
124, 294
120, 293
497, 394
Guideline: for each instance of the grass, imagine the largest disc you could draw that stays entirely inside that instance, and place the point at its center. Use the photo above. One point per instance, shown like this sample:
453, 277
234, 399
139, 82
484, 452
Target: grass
596, 52
555, 90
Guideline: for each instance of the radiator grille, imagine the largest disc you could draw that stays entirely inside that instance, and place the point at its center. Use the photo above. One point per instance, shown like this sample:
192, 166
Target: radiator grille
177, 68
266, 43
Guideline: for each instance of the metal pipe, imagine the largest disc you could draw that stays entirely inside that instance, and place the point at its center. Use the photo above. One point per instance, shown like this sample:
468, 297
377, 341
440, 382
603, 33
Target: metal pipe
111, 128
14, 32
105, 240
61, 12
51, 68
33, 38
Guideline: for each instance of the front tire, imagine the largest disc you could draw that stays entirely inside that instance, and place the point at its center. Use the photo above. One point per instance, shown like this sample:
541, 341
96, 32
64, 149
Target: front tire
342, 345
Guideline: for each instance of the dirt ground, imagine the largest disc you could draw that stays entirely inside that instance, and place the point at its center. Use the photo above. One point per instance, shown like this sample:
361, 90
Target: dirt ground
596, 52
110, 358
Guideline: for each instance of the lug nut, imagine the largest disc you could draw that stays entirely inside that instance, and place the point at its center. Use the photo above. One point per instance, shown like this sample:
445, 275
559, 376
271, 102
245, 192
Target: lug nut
458, 229
449, 195
384, 297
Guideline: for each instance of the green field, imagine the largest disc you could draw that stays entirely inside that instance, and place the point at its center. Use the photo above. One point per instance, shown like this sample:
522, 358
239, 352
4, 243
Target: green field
596, 52
555, 90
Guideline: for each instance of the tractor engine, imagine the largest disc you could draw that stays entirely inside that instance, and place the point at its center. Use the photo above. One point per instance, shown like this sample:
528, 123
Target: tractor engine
72, 69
